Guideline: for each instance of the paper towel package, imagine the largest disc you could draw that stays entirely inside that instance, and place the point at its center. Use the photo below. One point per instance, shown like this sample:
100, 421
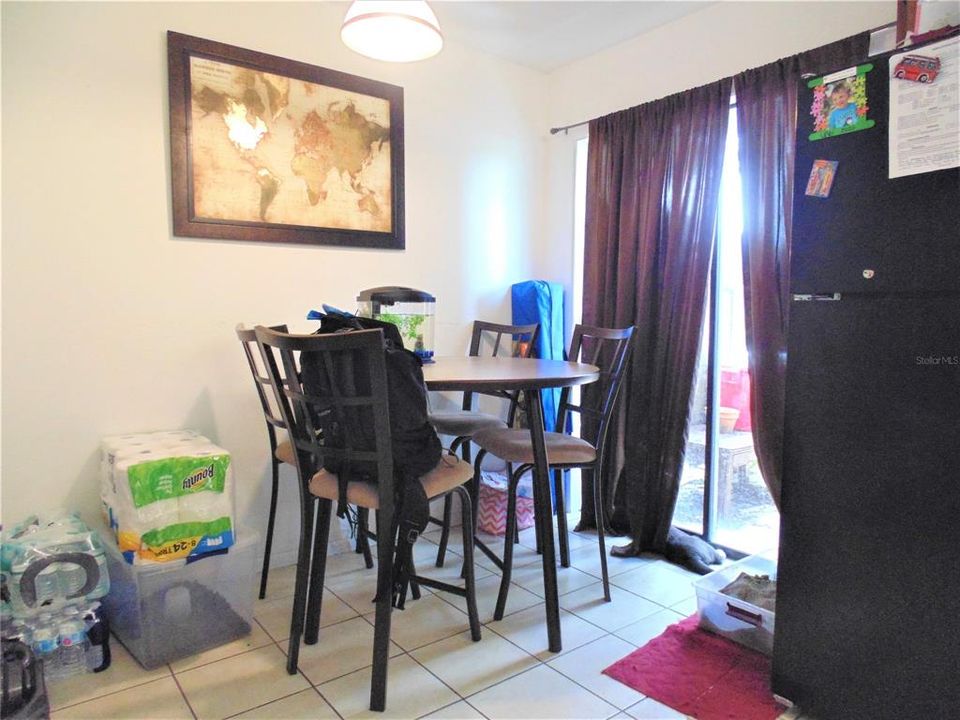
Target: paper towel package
166, 495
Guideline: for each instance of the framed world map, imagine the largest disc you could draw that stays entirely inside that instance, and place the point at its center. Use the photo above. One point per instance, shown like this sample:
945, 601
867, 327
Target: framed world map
273, 150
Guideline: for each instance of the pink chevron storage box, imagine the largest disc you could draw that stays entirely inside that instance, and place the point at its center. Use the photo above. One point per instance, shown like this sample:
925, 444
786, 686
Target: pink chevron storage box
492, 510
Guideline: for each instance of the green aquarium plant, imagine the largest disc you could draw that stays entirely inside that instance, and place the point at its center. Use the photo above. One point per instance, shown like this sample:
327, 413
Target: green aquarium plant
409, 326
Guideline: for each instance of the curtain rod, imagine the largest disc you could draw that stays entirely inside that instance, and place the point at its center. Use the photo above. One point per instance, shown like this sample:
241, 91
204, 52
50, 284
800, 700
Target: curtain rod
565, 128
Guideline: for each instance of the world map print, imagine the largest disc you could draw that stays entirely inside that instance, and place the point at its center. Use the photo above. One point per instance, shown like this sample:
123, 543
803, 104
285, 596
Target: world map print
271, 149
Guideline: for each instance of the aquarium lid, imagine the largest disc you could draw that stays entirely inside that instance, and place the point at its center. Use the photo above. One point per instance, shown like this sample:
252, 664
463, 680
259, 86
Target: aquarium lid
389, 295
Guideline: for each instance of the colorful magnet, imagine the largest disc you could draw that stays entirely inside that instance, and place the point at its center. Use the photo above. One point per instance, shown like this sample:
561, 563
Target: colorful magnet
840, 103
821, 178
918, 68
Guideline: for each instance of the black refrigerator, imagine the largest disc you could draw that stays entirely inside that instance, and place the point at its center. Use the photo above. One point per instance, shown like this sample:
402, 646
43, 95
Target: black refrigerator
868, 600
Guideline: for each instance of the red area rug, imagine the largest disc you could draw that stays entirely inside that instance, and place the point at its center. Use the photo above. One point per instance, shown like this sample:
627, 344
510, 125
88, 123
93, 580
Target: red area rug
700, 674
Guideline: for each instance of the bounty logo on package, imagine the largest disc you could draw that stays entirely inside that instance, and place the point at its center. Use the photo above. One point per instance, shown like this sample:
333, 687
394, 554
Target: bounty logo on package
186, 500
196, 481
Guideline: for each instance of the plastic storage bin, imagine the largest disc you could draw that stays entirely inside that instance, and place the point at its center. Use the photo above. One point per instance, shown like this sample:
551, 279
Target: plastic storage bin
166, 611
736, 619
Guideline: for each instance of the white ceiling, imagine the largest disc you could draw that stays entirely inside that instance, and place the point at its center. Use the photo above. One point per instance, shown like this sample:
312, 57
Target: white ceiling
548, 34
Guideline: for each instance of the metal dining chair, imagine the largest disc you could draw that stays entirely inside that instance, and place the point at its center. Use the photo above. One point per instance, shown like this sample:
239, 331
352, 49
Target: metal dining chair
608, 349
280, 452
496, 339
361, 353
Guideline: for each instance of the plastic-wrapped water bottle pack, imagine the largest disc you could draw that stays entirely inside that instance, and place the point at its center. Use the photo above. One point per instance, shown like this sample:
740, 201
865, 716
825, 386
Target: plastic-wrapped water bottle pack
72, 641
53, 571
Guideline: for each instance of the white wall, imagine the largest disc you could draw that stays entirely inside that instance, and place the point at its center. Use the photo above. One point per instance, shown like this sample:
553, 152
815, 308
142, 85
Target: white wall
113, 325
718, 41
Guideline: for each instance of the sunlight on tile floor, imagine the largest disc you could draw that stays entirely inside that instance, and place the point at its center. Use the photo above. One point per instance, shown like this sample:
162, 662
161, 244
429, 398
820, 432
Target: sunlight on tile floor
435, 670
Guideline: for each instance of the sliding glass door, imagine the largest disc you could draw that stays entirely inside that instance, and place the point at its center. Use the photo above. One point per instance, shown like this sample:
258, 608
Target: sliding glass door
722, 494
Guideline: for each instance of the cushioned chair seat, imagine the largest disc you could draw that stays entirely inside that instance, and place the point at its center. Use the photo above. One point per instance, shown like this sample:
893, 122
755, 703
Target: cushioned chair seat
514, 446
464, 423
285, 453
449, 473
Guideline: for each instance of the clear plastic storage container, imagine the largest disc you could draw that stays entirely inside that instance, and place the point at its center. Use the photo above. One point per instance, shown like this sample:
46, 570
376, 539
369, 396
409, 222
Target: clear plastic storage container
736, 619
410, 310
165, 611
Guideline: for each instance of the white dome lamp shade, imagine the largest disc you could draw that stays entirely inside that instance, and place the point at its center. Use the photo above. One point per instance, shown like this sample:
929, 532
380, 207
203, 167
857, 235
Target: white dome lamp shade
392, 30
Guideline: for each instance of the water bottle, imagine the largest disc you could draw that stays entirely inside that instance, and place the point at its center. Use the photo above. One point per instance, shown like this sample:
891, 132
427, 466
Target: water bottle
12, 628
47, 585
17, 603
103, 582
72, 579
73, 640
6, 615
45, 637
20, 631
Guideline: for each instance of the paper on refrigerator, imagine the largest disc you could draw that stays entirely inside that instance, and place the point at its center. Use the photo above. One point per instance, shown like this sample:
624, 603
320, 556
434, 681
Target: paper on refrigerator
925, 117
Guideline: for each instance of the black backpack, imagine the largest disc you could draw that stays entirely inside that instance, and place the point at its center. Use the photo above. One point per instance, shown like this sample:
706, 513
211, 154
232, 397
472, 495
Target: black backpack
415, 447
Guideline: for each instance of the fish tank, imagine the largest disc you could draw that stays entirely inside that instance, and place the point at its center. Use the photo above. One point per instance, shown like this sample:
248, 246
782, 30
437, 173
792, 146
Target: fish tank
412, 311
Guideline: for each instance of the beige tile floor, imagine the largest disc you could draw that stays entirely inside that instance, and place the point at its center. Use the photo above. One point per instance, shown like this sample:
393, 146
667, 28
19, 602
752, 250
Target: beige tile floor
435, 669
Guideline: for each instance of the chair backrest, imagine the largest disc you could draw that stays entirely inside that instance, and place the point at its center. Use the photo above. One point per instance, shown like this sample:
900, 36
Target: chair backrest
271, 412
495, 332
304, 413
498, 338
607, 348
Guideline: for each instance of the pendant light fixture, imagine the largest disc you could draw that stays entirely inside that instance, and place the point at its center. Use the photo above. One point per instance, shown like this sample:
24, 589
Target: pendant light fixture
392, 30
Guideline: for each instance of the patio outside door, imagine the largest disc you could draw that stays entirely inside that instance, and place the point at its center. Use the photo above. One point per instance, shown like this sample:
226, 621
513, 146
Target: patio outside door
722, 494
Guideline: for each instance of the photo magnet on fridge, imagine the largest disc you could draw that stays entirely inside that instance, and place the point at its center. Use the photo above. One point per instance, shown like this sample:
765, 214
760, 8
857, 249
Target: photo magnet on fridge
821, 178
840, 102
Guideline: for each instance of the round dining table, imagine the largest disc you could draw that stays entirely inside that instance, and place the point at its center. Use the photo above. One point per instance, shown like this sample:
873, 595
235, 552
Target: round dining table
487, 374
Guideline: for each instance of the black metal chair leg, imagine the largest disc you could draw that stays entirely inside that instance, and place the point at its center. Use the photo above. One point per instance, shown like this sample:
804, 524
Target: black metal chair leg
464, 444
271, 519
474, 486
538, 532
358, 544
381, 625
358, 540
445, 532
561, 518
363, 535
473, 493
516, 535
414, 585
508, 546
466, 520
307, 505
598, 521
318, 567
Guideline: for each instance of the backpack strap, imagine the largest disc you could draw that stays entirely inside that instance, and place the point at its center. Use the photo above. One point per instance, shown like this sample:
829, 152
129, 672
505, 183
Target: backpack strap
411, 518
343, 479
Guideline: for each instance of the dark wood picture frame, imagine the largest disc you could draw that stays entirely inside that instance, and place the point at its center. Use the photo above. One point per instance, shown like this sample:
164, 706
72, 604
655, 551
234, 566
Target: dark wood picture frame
186, 223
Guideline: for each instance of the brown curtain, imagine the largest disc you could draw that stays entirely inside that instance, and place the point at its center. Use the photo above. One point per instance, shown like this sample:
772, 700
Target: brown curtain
766, 126
653, 182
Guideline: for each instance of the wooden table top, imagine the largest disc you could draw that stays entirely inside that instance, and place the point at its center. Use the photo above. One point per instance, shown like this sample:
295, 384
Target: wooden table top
505, 373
